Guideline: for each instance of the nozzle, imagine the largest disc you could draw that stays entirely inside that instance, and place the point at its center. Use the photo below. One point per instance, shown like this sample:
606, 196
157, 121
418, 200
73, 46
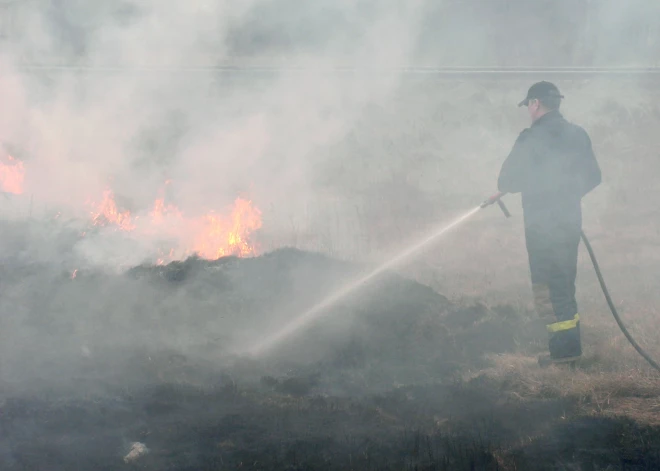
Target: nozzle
497, 198
492, 200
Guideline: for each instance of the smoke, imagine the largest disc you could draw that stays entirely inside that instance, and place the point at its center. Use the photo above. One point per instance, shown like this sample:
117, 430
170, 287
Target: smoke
341, 151
129, 99
128, 105
126, 97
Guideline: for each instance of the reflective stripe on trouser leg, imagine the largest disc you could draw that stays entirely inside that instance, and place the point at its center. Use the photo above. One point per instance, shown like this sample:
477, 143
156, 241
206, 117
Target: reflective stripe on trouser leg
564, 339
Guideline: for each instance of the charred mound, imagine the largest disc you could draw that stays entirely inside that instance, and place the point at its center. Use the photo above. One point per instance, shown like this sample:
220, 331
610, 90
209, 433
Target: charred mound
397, 329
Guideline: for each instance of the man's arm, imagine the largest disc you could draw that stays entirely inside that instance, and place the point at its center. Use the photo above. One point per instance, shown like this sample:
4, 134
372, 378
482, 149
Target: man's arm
589, 170
515, 168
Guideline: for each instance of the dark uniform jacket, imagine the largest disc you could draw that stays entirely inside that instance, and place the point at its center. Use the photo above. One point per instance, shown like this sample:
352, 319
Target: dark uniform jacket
553, 165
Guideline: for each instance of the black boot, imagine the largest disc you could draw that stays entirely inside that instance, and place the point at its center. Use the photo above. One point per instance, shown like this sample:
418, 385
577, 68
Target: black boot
563, 342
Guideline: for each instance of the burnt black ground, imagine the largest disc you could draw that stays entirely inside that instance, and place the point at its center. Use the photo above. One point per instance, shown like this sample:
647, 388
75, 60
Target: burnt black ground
92, 364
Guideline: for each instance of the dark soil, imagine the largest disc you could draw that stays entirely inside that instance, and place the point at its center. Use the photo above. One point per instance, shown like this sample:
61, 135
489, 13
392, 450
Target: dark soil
92, 364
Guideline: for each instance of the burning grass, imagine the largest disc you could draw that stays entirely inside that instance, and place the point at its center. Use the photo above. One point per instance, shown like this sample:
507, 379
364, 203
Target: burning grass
210, 236
12, 175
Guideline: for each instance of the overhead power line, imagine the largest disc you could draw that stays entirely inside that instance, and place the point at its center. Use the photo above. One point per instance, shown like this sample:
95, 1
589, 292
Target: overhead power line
268, 70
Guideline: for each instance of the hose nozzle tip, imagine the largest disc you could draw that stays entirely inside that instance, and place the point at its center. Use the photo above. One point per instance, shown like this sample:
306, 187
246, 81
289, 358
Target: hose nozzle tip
492, 200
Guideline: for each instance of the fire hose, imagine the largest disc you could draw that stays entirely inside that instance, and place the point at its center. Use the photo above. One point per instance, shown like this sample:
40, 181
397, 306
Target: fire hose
497, 199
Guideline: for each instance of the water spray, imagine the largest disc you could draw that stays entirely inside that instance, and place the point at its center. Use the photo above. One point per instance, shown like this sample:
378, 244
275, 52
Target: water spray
316, 311
321, 308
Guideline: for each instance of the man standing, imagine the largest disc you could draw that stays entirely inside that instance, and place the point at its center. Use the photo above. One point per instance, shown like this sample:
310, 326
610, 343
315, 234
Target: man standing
553, 166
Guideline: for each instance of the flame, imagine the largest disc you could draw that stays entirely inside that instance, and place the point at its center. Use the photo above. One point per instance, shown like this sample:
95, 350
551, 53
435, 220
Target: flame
106, 213
164, 258
210, 236
229, 236
12, 175
162, 211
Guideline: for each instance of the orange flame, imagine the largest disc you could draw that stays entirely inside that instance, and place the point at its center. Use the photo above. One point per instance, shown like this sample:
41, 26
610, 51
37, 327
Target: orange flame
210, 237
161, 211
106, 213
12, 175
163, 259
220, 236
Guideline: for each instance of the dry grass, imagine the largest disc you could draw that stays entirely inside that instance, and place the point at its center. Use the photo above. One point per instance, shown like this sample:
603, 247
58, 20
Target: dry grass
633, 393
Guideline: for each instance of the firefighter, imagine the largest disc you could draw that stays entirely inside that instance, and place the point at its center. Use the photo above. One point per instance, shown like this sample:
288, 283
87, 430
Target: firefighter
552, 165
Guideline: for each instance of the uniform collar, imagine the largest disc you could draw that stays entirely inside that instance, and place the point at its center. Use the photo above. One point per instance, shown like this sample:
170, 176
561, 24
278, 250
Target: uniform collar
549, 116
